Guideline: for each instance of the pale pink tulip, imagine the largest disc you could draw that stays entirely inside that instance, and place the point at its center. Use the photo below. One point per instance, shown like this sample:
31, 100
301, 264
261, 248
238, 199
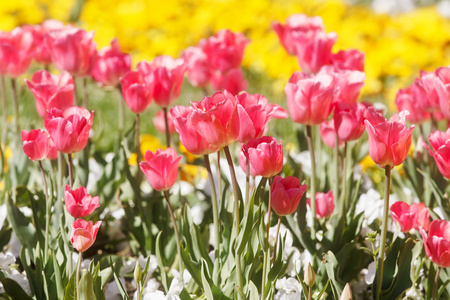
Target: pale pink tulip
84, 234
324, 204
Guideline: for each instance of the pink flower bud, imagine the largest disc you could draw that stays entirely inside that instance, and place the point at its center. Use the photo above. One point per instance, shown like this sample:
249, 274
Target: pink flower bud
324, 204
137, 90
161, 168
423, 216
286, 194
79, 203
84, 234
265, 155
404, 215
349, 121
36, 144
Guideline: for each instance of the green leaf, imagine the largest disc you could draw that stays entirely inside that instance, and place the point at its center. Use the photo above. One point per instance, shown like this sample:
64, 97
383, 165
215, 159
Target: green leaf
86, 286
192, 267
253, 293
159, 259
330, 265
244, 235
25, 231
70, 292
14, 290
122, 290
205, 282
58, 279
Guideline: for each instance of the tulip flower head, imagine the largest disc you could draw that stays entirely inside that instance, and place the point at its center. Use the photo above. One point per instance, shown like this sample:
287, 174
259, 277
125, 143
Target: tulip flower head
350, 83
442, 85
440, 144
414, 100
16, 51
36, 144
84, 234
161, 168
437, 242
328, 134
350, 59
286, 194
389, 140
404, 215
423, 216
137, 90
232, 81
324, 204
79, 203
265, 155
197, 66
349, 121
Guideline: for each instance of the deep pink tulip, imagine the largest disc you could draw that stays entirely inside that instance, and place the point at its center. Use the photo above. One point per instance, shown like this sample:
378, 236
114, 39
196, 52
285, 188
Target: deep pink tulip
111, 65
350, 59
137, 91
310, 97
84, 234
437, 242
426, 84
440, 142
35, 144
423, 216
69, 128
161, 168
233, 81
168, 75
160, 122
216, 118
349, 121
191, 140
265, 155
414, 100
72, 50
16, 52
224, 50
296, 27
197, 66
349, 82
286, 194
324, 204
404, 215
51, 91
41, 54
389, 141
328, 133
79, 203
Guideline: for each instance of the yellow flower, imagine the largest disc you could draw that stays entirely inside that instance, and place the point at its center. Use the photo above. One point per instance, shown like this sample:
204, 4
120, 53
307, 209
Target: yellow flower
148, 142
190, 172
189, 156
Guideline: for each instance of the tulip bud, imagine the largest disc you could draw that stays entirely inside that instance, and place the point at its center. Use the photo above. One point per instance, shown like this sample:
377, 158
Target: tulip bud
309, 276
137, 272
346, 293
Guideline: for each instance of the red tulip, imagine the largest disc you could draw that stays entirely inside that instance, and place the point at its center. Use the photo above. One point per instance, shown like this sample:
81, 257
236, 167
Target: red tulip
16, 52
160, 122
389, 141
84, 234
349, 121
286, 194
161, 168
191, 140
36, 144
69, 128
232, 81
324, 204
404, 215
423, 216
79, 203
111, 65
197, 65
351, 59
137, 90
51, 91
265, 155
440, 142
437, 242
310, 97
72, 50
216, 119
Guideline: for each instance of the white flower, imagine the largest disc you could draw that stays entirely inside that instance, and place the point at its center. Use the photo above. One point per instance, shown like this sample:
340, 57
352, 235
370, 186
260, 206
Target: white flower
112, 290
304, 159
288, 289
2, 215
369, 273
198, 212
371, 204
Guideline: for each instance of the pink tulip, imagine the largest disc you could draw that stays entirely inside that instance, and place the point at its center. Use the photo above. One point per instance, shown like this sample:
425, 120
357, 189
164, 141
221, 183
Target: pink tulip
296, 27
265, 155
111, 65
79, 203
310, 97
16, 52
442, 85
349, 82
52, 151
423, 216
243, 163
233, 81
161, 168
414, 100
216, 119
84, 234
224, 50
437, 242
197, 65
168, 74
426, 84
389, 141
41, 54
72, 50
191, 140
404, 215
137, 91
286, 194
328, 133
351, 59
349, 121
35, 144
69, 128
324, 204
51, 91
440, 142
160, 122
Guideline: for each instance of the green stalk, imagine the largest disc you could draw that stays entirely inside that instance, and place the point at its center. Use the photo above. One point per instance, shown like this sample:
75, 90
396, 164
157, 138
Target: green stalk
215, 219
4, 110
436, 279
85, 98
344, 180
266, 264
313, 180
138, 151
47, 213
336, 166
177, 235
240, 283
69, 155
166, 121
387, 188
15, 106
121, 112
274, 255
80, 258
247, 182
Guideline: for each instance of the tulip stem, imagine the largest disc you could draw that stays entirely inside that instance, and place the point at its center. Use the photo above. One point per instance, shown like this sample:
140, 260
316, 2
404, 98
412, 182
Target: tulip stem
16, 105
266, 264
138, 150
274, 255
4, 111
344, 180
220, 175
177, 235
69, 155
387, 188
247, 181
313, 179
336, 166
121, 111
166, 123
436, 279
216, 221
240, 283
47, 213
85, 98
77, 279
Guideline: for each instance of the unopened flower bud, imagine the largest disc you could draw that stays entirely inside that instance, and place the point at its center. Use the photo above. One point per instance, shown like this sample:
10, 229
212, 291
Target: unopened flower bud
346, 293
309, 276
137, 272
